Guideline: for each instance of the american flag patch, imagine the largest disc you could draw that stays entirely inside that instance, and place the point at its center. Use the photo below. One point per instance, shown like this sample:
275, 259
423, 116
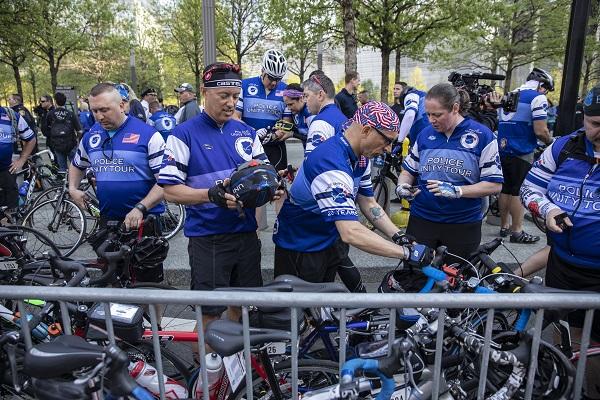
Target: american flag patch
131, 138
362, 161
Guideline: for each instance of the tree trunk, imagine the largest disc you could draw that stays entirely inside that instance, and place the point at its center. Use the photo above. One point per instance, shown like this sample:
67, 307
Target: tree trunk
585, 78
397, 65
302, 69
198, 75
18, 80
33, 82
385, 74
509, 71
350, 41
53, 70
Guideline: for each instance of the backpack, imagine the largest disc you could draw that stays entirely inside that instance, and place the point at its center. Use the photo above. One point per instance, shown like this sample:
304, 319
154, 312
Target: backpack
62, 132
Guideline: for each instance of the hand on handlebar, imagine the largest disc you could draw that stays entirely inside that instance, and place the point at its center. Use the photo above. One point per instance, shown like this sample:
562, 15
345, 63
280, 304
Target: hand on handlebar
17, 165
79, 197
418, 255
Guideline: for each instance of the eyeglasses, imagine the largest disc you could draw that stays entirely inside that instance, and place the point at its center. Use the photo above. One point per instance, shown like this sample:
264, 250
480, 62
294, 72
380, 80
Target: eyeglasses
272, 78
43, 101
108, 140
387, 139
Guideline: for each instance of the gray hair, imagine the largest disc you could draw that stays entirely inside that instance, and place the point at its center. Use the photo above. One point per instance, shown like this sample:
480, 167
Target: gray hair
320, 82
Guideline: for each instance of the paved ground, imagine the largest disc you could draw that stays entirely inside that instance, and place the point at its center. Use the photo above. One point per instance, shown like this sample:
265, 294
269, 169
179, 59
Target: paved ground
372, 267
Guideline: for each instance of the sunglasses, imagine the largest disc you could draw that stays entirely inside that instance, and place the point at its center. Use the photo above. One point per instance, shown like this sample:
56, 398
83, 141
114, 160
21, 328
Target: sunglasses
387, 139
108, 140
272, 78
43, 101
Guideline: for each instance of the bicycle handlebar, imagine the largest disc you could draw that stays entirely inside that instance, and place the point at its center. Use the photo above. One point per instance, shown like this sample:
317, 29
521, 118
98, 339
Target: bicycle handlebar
112, 259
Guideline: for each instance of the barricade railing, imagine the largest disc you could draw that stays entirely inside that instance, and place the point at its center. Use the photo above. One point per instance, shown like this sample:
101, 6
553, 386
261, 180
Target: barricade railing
296, 302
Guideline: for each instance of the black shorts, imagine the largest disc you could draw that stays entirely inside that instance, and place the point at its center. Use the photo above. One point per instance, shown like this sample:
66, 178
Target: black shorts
562, 275
319, 266
461, 239
9, 195
515, 170
277, 155
227, 260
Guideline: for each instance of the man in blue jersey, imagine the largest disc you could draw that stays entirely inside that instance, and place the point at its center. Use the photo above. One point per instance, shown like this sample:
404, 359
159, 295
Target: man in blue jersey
322, 201
518, 133
563, 185
13, 128
261, 104
201, 155
319, 93
161, 120
414, 119
293, 97
125, 155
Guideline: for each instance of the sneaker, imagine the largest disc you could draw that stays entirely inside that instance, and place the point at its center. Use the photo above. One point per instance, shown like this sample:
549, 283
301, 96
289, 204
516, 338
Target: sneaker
523, 237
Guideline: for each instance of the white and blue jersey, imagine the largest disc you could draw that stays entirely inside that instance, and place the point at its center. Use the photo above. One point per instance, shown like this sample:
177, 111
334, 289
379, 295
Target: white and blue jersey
516, 136
163, 122
324, 191
302, 121
8, 137
328, 123
415, 100
201, 154
574, 187
258, 109
125, 162
469, 156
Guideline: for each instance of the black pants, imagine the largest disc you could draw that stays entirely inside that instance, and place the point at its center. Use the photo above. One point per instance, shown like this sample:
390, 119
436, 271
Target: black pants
9, 195
461, 239
227, 260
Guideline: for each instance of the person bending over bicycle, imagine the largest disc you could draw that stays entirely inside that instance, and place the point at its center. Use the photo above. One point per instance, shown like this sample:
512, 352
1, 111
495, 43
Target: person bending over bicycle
564, 187
126, 155
322, 201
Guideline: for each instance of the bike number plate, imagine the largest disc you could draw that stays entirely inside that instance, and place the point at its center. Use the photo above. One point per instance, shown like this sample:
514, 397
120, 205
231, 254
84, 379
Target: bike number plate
8, 266
236, 369
274, 348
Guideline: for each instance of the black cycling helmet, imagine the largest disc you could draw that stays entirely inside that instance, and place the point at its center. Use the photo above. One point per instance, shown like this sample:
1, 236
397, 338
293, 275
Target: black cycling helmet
543, 77
149, 252
254, 183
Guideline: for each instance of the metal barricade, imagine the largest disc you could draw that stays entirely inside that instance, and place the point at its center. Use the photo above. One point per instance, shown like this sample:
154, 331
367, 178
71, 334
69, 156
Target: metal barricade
298, 301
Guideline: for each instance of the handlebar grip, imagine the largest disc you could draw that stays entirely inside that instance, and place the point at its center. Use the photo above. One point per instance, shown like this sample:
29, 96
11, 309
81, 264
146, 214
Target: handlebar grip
440, 253
487, 261
489, 247
112, 258
434, 273
67, 266
484, 290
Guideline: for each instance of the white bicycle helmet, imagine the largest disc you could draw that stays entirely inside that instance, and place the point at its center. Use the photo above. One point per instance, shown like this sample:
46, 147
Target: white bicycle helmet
274, 63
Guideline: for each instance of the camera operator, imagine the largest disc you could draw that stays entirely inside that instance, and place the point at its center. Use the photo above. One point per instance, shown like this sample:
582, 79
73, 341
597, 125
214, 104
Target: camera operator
486, 113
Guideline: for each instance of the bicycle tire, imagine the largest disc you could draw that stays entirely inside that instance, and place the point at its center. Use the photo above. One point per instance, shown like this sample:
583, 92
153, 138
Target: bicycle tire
45, 243
173, 366
50, 193
318, 374
70, 216
172, 219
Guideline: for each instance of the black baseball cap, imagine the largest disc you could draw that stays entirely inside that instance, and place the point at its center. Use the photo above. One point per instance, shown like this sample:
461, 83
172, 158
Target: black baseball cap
149, 91
591, 103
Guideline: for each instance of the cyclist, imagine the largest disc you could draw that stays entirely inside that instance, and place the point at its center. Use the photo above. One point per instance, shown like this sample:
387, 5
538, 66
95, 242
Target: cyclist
322, 201
293, 97
414, 119
161, 120
13, 127
125, 155
518, 134
454, 163
224, 249
565, 180
319, 92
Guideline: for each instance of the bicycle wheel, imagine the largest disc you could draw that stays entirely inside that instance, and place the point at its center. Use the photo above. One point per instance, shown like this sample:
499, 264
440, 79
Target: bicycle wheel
48, 194
32, 244
172, 219
173, 366
63, 222
312, 375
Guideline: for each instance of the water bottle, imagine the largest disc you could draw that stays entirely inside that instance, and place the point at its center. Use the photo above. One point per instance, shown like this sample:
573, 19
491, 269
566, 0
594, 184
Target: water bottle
147, 377
24, 188
94, 211
215, 370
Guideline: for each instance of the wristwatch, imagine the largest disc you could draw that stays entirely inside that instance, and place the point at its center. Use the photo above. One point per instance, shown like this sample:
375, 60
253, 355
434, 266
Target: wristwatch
142, 208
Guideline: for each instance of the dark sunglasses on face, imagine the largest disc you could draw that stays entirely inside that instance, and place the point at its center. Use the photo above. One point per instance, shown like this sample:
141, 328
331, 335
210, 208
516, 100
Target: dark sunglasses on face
388, 140
272, 78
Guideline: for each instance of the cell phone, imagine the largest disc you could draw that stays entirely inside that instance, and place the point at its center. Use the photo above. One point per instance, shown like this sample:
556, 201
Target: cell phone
560, 221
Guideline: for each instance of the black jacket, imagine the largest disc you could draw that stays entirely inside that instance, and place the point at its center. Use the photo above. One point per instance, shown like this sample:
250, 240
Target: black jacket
346, 102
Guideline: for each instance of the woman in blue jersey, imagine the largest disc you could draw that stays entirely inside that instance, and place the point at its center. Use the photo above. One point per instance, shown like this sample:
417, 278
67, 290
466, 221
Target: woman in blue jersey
452, 165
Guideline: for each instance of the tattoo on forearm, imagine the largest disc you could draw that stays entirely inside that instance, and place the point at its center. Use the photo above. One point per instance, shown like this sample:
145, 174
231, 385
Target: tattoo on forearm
376, 212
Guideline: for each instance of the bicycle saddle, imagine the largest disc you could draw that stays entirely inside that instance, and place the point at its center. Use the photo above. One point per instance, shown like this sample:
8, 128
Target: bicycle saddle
300, 285
226, 337
61, 356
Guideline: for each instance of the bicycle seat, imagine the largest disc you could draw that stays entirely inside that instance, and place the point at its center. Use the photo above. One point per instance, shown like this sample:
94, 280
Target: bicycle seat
61, 356
300, 285
350, 312
226, 337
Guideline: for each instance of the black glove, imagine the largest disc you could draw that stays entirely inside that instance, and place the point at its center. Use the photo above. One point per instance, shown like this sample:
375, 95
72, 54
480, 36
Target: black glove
418, 255
216, 195
403, 239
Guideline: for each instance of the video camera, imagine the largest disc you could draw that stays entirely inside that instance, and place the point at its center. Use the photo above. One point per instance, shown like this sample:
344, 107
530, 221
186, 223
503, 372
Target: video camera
477, 92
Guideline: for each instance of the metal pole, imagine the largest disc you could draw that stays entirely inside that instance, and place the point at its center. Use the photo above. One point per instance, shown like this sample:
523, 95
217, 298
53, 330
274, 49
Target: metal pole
208, 27
320, 56
580, 11
132, 69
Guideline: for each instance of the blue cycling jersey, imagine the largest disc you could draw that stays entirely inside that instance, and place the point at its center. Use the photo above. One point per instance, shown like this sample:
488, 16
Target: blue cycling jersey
324, 191
326, 124
258, 109
574, 187
124, 164
201, 154
163, 122
415, 100
469, 156
86, 119
302, 121
515, 130
8, 136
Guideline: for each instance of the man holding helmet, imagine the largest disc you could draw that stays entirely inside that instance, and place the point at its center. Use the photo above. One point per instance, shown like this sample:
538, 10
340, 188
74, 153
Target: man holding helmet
201, 155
